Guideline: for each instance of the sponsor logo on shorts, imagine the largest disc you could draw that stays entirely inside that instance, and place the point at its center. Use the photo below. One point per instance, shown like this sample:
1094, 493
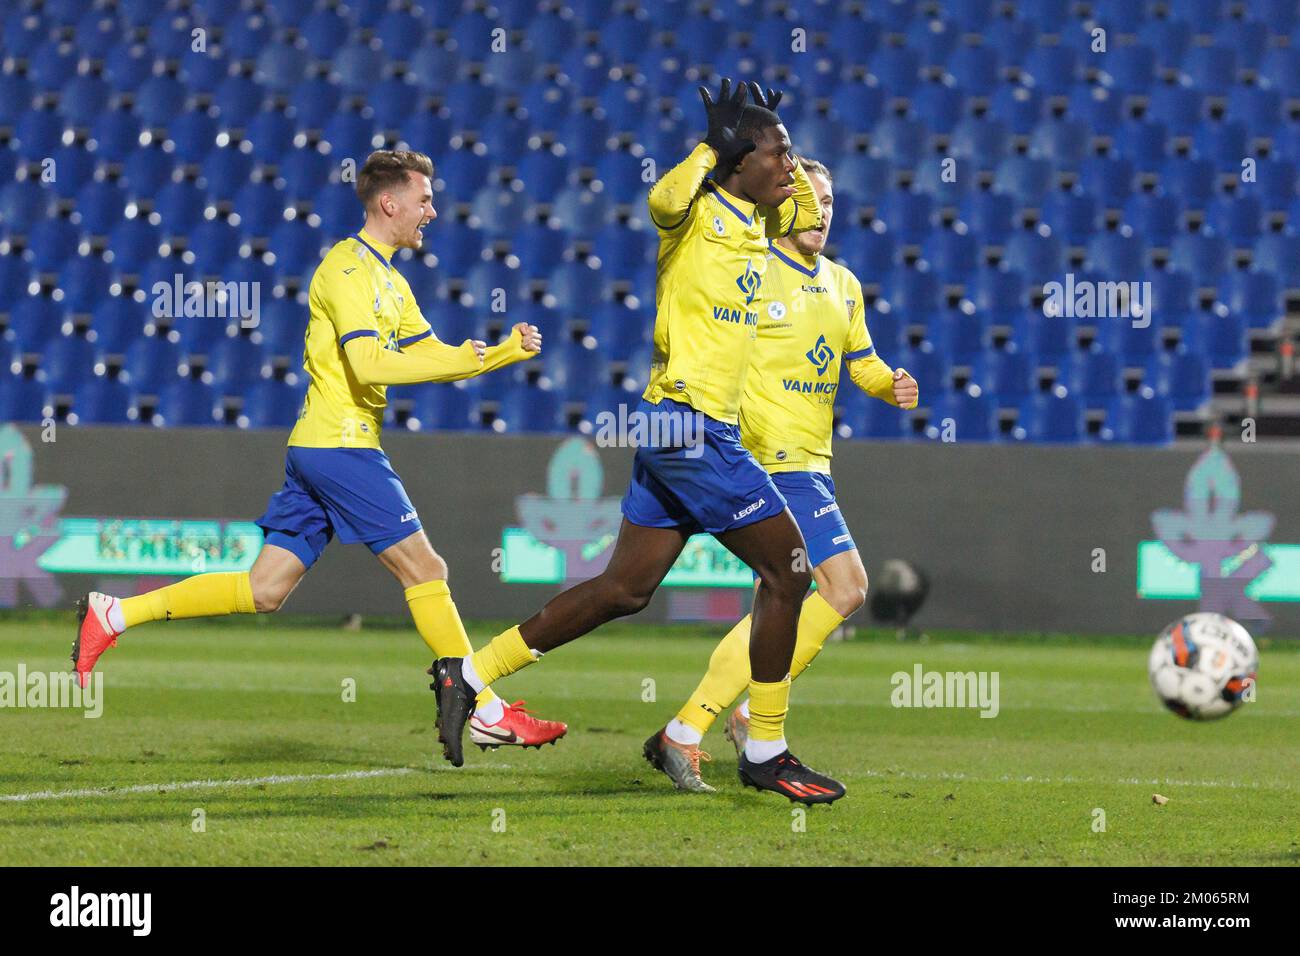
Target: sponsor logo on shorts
409, 516
833, 506
840, 539
749, 509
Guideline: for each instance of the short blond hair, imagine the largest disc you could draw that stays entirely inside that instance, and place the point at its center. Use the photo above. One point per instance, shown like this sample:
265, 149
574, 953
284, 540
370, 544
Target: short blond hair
387, 169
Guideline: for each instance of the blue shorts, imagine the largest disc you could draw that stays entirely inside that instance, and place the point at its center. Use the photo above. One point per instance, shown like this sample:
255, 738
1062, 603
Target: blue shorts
811, 497
351, 491
708, 483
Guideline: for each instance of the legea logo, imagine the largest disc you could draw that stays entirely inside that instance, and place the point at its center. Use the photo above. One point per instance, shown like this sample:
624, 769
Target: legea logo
821, 355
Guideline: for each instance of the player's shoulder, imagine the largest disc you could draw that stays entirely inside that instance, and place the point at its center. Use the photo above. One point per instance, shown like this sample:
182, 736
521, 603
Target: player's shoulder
344, 260
841, 275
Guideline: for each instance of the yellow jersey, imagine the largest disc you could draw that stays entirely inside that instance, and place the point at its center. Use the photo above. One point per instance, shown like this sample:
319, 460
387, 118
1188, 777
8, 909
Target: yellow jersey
709, 282
812, 320
355, 291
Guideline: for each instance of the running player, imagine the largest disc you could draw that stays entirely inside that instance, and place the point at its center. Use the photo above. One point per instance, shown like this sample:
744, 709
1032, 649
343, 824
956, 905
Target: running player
814, 319
365, 332
712, 256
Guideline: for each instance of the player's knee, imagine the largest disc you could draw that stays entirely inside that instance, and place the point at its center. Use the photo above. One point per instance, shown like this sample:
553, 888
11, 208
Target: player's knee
788, 583
269, 596
623, 599
848, 595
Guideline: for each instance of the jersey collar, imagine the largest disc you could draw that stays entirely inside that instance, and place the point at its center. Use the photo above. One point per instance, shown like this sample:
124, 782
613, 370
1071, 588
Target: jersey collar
735, 204
793, 264
382, 252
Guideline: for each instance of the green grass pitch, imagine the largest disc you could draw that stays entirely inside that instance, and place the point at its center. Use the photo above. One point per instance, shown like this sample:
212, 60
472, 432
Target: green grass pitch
249, 725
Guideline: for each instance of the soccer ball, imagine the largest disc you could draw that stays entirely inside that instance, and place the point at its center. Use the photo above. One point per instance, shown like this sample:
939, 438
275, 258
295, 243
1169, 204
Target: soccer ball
1203, 665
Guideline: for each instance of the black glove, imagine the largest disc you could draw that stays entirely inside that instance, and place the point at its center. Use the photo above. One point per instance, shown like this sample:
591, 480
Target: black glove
724, 117
769, 102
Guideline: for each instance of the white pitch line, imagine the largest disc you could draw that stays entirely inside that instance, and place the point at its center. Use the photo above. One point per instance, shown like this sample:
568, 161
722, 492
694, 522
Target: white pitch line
202, 784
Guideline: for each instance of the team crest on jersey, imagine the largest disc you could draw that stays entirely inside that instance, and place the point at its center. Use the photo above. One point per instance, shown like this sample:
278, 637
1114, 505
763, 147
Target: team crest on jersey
776, 310
749, 282
821, 355
718, 227
849, 304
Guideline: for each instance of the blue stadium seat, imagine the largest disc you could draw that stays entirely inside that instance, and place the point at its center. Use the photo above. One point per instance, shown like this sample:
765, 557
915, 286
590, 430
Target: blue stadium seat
51, 243
102, 401
1039, 257
22, 398
1255, 296
1056, 417
67, 361
953, 255
73, 167
1280, 255
1053, 338
969, 415
1190, 385
191, 136
180, 205
528, 408
115, 323
34, 322
23, 205
237, 363
1074, 215
1239, 219
146, 170
1205, 256
1191, 180
908, 215
271, 404
1096, 376
186, 401
1025, 179
898, 139
1010, 375
1211, 69
868, 252
1063, 142
1148, 419
988, 215
1157, 216
84, 282
150, 362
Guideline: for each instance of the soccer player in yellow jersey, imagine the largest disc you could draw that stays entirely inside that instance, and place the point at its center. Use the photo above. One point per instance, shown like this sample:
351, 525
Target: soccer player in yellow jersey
709, 296
365, 332
813, 318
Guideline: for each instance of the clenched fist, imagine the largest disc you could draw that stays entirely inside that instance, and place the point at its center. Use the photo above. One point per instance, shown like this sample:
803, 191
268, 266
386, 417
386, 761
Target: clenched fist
530, 336
906, 392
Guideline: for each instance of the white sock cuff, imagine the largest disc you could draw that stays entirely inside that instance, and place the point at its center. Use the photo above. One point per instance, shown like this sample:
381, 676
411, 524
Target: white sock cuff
471, 676
683, 733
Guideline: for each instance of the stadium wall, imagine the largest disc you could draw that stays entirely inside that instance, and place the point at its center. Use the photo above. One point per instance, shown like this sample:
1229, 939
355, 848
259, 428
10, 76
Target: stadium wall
1012, 538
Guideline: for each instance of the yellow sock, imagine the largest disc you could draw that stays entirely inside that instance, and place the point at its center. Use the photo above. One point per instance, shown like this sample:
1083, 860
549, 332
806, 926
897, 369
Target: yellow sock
726, 678
439, 624
501, 656
817, 620
768, 704
204, 595
728, 673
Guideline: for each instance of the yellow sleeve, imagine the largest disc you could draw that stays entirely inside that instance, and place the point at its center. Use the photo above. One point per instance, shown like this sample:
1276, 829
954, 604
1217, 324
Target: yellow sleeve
505, 353
672, 197
799, 213
427, 361
868, 370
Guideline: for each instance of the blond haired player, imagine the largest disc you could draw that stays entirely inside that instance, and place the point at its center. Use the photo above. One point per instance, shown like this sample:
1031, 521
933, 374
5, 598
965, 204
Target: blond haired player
366, 332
